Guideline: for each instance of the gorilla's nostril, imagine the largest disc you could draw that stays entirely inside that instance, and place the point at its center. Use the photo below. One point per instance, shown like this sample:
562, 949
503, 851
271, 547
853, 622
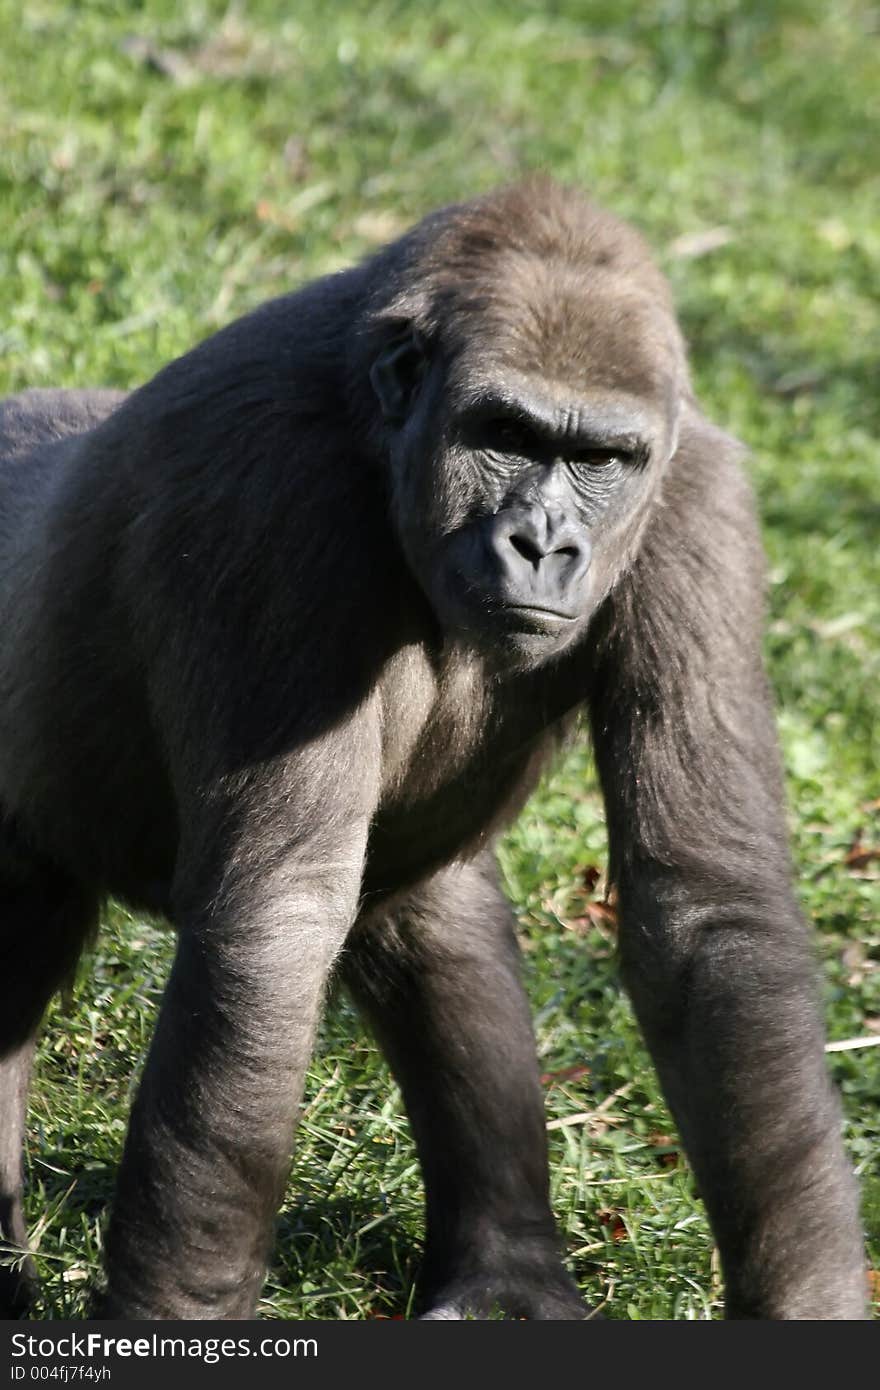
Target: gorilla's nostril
527, 549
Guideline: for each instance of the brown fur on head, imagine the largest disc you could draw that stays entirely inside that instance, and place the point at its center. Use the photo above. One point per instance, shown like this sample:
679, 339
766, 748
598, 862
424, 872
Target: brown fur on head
556, 285
528, 300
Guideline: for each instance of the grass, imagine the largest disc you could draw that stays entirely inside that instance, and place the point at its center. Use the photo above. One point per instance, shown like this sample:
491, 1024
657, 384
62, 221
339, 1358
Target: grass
164, 167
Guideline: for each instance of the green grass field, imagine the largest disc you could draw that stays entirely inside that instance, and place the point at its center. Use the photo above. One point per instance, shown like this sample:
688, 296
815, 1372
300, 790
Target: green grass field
164, 167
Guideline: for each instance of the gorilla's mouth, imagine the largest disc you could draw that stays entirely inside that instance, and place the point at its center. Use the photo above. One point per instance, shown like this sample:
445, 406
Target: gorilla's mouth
495, 614
529, 617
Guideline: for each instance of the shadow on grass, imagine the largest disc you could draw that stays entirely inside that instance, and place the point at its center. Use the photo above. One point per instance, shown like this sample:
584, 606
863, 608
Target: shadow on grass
347, 1252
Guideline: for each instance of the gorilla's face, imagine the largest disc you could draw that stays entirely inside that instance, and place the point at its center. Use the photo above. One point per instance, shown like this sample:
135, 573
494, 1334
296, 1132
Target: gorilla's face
516, 499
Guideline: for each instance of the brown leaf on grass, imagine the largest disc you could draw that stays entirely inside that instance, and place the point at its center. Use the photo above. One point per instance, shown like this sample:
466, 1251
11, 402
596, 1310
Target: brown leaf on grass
275, 216
611, 1218
552, 1078
860, 855
596, 911
667, 1150
602, 912
589, 875
874, 1285
594, 915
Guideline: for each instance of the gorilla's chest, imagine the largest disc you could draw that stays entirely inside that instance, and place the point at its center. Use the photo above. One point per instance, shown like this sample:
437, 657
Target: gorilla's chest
462, 754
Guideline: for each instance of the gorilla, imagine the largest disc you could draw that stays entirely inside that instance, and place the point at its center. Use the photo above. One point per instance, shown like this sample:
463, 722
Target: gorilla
288, 634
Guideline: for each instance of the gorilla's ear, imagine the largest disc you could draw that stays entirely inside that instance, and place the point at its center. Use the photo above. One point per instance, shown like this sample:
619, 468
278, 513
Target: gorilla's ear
397, 372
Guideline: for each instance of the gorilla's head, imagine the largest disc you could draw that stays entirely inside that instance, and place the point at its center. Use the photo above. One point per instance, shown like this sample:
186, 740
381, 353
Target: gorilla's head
530, 404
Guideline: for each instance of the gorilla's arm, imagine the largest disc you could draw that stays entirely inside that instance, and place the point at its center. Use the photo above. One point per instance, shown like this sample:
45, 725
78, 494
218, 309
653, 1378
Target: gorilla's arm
438, 976
266, 890
715, 953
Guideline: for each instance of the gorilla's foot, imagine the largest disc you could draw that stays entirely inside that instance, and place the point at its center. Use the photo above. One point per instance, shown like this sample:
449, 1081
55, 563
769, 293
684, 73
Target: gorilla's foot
543, 1292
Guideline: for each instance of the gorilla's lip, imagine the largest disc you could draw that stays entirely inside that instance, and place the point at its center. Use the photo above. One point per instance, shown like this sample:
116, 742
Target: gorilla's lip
546, 617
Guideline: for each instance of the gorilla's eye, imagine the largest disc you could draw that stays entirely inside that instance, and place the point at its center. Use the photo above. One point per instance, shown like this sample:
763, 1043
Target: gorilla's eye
596, 457
508, 436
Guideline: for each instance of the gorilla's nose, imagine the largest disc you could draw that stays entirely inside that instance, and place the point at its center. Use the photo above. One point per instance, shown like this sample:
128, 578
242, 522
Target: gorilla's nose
542, 555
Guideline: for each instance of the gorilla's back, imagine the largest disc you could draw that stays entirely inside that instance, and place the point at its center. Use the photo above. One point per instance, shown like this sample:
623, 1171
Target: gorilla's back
36, 418
53, 765
32, 424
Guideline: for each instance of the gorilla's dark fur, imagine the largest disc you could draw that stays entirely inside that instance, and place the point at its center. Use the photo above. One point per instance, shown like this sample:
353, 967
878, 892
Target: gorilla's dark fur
287, 634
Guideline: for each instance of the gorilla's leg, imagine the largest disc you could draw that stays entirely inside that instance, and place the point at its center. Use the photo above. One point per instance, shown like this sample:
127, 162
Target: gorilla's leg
16, 1271
727, 1003
212, 1126
439, 980
716, 956
44, 918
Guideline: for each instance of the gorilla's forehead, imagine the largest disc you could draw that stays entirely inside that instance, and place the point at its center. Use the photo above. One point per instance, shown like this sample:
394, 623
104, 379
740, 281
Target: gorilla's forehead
566, 354
491, 388
577, 328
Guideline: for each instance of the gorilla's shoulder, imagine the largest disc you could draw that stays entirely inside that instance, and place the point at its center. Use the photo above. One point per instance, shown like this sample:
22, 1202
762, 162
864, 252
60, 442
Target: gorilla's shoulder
43, 415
